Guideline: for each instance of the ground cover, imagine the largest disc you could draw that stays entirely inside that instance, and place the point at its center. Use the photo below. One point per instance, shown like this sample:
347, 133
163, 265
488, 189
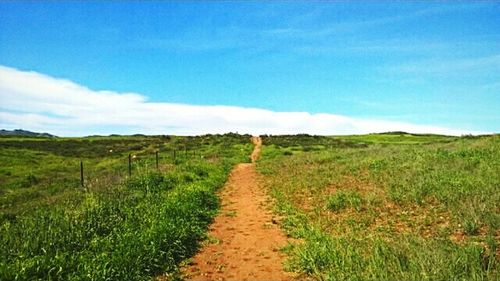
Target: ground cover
116, 227
388, 206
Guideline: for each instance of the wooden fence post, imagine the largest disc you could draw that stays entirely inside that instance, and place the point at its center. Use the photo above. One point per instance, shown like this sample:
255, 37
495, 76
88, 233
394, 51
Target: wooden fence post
129, 165
157, 160
174, 156
81, 173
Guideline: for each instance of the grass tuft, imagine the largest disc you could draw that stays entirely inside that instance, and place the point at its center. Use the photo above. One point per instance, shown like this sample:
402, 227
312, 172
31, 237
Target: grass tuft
344, 199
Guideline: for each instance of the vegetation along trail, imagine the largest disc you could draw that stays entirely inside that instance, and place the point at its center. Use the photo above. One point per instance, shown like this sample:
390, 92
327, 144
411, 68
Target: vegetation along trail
244, 241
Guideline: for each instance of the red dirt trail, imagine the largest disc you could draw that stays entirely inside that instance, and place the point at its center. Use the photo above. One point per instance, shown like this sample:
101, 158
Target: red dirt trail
244, 240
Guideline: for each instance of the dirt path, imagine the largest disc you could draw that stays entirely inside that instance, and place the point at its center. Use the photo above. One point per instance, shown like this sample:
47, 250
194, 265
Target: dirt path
257, 141
244, 242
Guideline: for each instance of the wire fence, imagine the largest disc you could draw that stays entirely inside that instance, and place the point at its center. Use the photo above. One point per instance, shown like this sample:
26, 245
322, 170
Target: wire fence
130, 164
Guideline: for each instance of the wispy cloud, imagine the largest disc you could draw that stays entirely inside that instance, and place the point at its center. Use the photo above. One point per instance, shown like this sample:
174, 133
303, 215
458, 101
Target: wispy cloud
318, 33
457, 66
354, 26
36, 101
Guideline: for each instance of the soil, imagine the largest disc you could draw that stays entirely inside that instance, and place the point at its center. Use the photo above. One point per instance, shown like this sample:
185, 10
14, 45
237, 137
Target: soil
244, 240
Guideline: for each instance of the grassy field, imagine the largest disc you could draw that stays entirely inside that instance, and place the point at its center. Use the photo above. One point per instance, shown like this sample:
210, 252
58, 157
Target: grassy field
388, 206
116, 227
374, 207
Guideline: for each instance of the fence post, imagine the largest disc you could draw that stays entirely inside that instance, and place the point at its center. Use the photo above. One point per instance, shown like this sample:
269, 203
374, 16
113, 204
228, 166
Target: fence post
129, 165
174, 156
157, 160
81, 173
186, 154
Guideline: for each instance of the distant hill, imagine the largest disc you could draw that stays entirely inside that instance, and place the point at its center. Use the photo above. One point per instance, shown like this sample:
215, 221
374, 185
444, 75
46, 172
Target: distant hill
24, 133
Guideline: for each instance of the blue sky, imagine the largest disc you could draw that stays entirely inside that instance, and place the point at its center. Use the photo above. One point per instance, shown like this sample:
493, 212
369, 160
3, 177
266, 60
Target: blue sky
416, 63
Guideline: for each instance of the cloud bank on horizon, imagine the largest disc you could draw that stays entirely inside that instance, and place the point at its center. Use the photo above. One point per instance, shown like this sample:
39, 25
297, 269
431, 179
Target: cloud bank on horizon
39, 102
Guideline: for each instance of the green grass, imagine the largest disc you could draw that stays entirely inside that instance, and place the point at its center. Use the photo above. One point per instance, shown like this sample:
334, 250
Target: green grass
400, 207
41, 172
397, 138
118, 227
343, 199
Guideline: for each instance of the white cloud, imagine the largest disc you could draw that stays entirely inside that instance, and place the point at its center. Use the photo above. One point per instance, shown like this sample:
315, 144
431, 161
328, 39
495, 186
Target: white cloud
35, 101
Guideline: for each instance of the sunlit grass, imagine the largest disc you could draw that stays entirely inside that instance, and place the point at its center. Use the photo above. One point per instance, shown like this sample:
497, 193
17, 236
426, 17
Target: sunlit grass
391, 210
116, 227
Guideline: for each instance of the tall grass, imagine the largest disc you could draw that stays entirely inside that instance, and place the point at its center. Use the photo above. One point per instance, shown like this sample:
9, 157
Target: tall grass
408, 258
392, 210
132, 230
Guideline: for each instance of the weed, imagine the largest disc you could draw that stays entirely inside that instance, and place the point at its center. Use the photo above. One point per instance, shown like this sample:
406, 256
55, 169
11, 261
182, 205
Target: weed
30, 180
471, 226
343, 199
